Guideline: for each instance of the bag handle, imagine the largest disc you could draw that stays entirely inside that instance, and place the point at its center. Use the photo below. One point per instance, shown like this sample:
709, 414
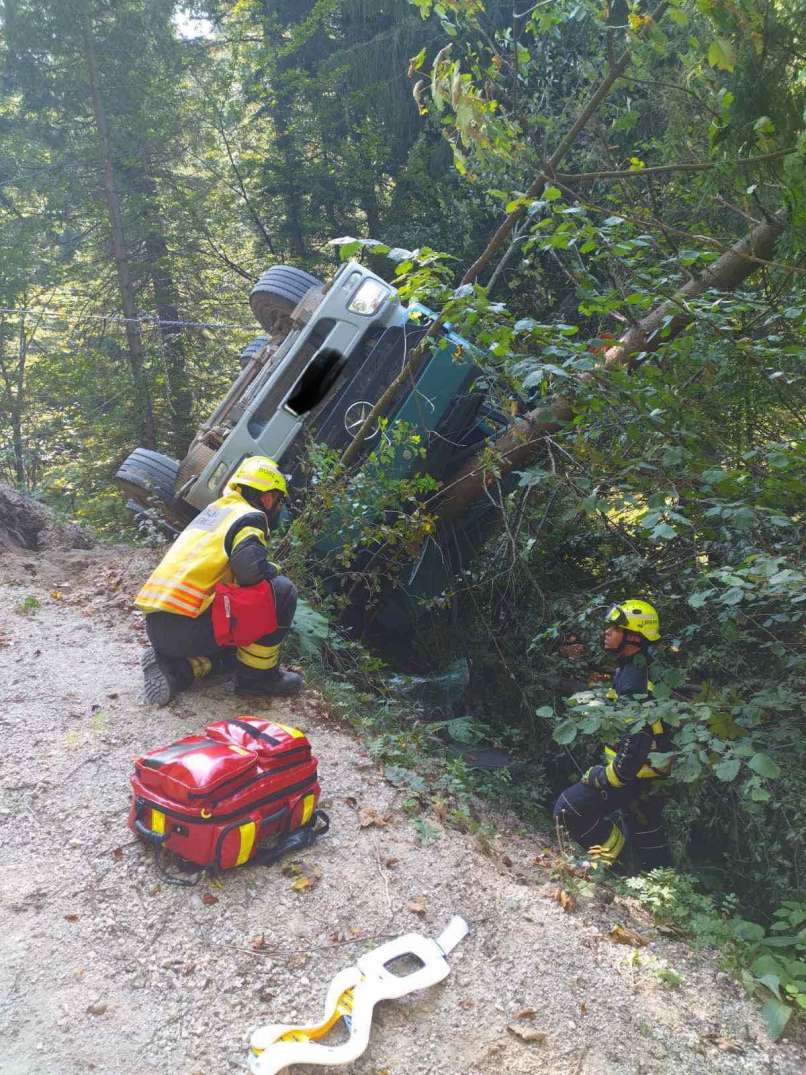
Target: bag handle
245, 726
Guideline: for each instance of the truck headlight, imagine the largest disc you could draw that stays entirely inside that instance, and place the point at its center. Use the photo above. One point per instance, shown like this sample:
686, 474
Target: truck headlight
368, 298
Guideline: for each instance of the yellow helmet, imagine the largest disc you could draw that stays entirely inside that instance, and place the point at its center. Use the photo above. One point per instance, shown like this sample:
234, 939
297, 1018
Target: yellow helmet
637, 616
258, 472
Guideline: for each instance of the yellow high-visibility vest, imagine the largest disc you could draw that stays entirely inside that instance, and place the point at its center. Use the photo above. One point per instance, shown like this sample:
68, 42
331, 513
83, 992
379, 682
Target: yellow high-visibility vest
184, 581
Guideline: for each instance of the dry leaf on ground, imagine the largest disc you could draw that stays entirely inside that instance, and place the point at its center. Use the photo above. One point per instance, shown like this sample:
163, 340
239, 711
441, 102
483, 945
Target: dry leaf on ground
525, 1013
368, 815
527, 1033
418, 906
725, 1045
306, 877
622, 935
565, 900
208, 899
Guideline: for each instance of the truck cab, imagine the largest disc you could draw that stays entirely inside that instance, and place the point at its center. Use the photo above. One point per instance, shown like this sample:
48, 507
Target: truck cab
328, 353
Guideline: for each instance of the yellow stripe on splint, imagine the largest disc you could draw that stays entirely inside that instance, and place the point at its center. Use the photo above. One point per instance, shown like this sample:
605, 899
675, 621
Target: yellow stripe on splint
157, 821
247, 835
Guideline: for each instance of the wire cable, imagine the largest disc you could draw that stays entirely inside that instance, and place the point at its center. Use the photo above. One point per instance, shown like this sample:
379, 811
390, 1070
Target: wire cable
145, 319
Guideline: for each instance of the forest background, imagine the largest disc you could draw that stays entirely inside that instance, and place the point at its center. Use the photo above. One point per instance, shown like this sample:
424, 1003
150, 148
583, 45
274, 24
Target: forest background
155, 157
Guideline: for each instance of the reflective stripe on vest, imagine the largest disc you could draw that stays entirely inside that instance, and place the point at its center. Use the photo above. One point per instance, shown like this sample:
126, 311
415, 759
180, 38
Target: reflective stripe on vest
184, 581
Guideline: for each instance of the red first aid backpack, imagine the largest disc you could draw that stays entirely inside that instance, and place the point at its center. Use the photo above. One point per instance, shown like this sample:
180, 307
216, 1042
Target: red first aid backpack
245, 790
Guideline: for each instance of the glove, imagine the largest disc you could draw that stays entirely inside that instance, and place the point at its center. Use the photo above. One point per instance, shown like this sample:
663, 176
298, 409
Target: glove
596, 777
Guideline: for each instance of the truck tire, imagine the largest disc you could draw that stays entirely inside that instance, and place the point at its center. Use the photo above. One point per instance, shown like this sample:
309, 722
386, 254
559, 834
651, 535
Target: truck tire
149, 478
252, 349
277, 292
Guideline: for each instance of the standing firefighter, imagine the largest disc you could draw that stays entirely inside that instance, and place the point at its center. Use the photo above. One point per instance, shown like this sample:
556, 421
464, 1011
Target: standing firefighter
215, 602
627, 783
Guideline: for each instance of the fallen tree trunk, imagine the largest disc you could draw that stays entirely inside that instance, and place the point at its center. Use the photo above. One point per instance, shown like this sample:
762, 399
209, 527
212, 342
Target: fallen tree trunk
521, 441
673, 315
514, 448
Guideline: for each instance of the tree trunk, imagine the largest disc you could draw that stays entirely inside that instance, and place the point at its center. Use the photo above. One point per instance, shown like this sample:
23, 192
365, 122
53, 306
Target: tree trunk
520, 443
292, 173
673, 315
516, 447
134, 339
174, 342
173, 335
12, 401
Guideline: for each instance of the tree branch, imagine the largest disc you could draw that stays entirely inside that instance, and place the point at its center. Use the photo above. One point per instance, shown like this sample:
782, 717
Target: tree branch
536, 189
696, 166
409, 371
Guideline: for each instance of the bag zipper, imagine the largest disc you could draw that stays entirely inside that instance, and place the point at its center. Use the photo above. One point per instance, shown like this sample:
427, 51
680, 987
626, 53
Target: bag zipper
254, 780
290, 790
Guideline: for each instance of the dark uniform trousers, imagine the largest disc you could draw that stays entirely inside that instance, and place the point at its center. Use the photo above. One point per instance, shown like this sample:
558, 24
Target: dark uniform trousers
585, 812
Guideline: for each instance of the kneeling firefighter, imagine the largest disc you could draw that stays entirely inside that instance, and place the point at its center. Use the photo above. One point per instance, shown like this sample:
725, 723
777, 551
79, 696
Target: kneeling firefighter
215, 602
627, 783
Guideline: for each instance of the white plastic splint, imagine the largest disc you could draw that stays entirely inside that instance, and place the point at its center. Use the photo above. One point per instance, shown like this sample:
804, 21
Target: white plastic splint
352, 995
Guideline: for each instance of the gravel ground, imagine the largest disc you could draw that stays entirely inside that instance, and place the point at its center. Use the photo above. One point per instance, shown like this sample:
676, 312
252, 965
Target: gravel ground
105, 968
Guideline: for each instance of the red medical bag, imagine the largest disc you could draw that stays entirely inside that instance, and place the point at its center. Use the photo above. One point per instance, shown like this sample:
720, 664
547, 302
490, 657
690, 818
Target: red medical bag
245, 790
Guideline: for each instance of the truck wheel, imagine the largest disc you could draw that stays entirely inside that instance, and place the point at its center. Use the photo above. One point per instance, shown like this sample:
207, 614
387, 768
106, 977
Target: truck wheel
149, 478
252, 349
277, 292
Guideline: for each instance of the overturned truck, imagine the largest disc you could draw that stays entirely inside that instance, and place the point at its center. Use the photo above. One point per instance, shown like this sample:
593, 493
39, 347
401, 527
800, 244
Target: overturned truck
328, 353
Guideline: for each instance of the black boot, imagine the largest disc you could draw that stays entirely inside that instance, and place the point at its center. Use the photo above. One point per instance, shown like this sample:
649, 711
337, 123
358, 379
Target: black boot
163, 677
270, 682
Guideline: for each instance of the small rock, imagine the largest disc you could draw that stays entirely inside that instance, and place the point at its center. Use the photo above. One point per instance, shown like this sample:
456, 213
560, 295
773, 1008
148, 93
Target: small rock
97, 1008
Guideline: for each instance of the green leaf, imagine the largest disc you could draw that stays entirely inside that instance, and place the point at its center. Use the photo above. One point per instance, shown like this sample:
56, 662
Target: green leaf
727, 769
663, 532
775, 1015
732, 596
565, 733
771, 982
544, 711
416, 62
697, 600
764, 766
759, 794
721, 54
551, 194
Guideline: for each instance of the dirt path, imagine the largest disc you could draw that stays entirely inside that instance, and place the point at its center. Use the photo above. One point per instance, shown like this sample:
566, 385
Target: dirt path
105, 969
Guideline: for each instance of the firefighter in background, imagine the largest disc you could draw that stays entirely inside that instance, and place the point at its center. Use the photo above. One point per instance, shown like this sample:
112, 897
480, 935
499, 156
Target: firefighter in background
627, 783
225, 543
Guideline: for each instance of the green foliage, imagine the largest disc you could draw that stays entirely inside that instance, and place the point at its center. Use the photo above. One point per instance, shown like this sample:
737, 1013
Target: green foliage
28, 606
769, 962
